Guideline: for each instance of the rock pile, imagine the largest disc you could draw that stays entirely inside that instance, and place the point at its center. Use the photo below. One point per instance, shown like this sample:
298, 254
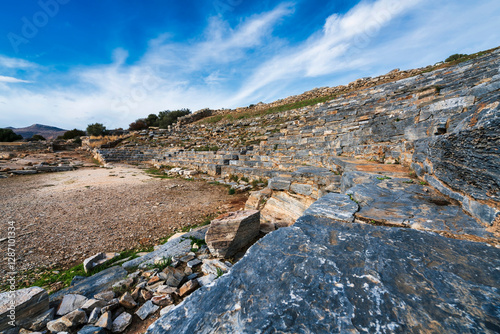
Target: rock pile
111, 300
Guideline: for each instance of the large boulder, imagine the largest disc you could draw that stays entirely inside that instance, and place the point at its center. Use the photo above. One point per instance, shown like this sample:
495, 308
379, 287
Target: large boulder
21, 306
232, 232
325, 276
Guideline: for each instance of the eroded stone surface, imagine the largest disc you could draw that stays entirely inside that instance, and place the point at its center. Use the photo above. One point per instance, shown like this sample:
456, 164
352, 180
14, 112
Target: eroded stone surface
362, 278
334, 206
394, 202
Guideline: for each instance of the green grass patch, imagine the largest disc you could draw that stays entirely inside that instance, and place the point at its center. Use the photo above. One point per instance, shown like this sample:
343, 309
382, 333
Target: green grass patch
157, 173
213, 148
383, 178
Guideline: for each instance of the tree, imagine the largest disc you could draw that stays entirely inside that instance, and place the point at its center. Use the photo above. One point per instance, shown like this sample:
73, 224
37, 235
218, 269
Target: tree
455, 57
139, 124
37, 138
168, 117
7, 135
72, 134
152, 120
96, 129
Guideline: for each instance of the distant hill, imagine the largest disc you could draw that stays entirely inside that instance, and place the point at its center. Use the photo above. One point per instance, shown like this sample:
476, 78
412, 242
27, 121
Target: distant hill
48, 132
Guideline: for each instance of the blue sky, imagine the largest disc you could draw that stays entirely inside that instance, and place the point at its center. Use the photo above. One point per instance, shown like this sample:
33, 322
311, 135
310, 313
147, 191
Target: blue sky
69, 63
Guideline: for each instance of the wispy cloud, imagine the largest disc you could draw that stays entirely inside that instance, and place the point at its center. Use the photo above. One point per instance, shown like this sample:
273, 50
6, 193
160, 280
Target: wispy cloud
11, 80
234, 65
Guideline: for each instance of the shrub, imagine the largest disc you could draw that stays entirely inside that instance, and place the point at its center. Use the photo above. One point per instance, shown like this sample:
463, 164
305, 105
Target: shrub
7, 135
72, 134
139, 124
231, 191
455, 57
37, 138
96, 129
168, 117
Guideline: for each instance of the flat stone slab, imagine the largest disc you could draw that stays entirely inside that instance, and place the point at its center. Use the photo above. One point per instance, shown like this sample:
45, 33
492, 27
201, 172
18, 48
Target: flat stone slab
94, 284
334, 206
172, 248
22, 306
396, 203
332, 277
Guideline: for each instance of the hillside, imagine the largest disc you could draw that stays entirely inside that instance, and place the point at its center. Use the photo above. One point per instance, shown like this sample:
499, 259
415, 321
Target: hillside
48, 132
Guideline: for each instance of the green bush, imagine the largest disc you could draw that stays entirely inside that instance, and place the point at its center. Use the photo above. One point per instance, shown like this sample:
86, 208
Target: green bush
37, 138
96, 129
72, 134
231, 191
7, 135
168, 117
455, 57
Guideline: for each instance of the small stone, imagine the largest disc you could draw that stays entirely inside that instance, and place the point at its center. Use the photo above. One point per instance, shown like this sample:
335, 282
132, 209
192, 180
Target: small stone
107, 295
112, 305
192, 276
92, 304
58, 325
175, 277
76, 318
147, 309
135, 293
214, 267
123, 284
94, 315
154, 280
121, 323
105, 321
92, 330
188, 287
193, 263
146, 295
187, 258
163, 300
71, 303
127, 301
166, 289
41, 321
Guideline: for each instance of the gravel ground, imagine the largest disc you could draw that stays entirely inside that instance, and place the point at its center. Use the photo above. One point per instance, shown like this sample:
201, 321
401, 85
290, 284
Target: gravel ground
62, 218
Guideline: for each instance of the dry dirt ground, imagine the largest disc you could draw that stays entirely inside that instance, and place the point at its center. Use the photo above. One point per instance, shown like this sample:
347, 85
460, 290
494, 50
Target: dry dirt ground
62, 218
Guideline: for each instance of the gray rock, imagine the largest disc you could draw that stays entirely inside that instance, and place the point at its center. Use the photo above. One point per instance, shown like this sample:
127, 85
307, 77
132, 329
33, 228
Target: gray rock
111, 305
92, 304
279, 183
444, 284
127, 301
94, 315
70, 303
92, 330
227, 235
93, 285
22, 306
173, 248
393, 202
193, 263
163, 300
174, 277
188, 287
77, 279
105, 321
214, 267
76, 318
106, 295
121, 322
146, 310
39, 322
59, 325
166, 309
334, 206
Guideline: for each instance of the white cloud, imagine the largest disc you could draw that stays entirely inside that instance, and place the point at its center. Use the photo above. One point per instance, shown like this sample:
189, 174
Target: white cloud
234, 66
11, 79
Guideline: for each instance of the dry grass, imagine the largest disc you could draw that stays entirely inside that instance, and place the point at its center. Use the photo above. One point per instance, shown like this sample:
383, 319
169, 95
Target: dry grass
97, 141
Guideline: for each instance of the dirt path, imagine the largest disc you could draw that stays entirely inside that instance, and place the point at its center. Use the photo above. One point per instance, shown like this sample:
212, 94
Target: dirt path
62, 218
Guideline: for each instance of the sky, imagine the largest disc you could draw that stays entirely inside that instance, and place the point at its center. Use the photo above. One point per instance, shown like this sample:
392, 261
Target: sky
70, 63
